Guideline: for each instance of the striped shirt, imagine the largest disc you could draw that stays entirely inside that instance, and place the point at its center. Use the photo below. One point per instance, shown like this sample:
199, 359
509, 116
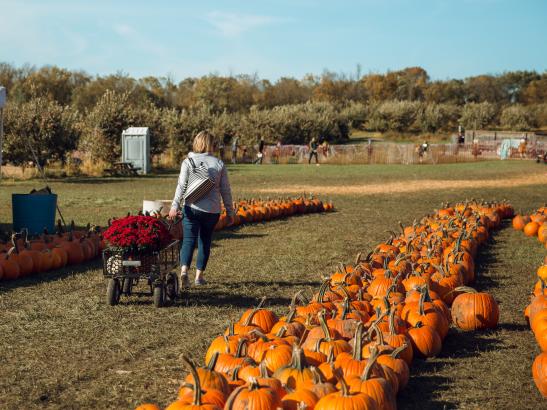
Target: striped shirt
211, 201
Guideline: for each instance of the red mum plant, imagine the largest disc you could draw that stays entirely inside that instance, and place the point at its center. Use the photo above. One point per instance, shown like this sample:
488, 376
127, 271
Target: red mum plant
137, 234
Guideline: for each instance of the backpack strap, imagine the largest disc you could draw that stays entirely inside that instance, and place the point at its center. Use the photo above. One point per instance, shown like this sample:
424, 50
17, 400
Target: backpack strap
192, 163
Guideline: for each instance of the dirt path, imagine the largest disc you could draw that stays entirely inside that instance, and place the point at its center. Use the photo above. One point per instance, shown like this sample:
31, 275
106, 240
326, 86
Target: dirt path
409, 186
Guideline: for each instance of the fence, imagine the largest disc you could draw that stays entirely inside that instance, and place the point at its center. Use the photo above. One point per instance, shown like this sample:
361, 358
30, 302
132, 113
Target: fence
389, 153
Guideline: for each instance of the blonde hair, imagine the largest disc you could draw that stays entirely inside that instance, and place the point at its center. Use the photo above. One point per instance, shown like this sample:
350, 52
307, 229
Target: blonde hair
203, 142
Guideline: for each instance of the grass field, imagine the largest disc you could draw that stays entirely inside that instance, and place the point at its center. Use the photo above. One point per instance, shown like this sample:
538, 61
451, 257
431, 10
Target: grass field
63, 347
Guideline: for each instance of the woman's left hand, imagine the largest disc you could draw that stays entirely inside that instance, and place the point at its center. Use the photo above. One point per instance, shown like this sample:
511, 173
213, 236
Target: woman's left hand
173, 213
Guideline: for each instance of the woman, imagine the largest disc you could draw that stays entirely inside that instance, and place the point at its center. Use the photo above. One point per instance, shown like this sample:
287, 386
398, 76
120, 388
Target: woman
200, 217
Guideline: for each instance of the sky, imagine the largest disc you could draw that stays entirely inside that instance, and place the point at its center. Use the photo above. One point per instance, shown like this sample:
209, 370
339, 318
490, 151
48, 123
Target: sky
449, 38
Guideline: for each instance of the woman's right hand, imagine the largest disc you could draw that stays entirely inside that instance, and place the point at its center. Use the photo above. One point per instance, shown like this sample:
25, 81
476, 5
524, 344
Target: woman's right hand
173, 213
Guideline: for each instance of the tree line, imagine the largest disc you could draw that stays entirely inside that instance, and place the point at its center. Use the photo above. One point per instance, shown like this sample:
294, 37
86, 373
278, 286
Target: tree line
57, 110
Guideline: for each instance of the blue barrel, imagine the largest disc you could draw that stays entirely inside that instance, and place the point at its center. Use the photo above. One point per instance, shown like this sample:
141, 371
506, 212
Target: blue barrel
34, 212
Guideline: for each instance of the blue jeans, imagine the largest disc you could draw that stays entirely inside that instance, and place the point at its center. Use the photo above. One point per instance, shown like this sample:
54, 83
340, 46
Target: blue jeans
197, 227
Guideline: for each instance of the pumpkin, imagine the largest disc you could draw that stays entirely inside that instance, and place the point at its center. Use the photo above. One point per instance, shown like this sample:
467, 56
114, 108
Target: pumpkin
425, 340
253, 396
372, 385
196, 386
9, 266
427, 314
531, 229
264, 319
297, 372
398, 365
344, 399
539, 373
474, 310
208, 378
298, 399
542, 272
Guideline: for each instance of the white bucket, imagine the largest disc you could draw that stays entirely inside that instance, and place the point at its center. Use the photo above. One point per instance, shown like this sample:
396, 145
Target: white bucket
159, 205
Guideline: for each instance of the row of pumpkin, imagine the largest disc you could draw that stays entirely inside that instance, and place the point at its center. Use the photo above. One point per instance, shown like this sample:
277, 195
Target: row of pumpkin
21, 256
534, 224
536, 312
352, 345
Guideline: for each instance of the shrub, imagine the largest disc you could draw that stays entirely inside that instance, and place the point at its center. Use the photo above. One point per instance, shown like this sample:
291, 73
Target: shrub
478, 115
517, 117
393, 116
434, 117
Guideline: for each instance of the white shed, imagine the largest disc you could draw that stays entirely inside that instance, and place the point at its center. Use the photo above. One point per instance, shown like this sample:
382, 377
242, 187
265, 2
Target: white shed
136, 148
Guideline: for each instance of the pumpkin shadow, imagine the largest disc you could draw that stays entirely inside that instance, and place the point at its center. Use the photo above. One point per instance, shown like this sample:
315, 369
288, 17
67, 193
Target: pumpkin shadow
421, 390
426, 384
53, 275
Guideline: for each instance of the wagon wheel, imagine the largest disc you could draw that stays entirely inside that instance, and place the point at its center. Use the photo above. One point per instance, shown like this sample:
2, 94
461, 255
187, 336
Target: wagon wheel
113, 292
159, 295
127, 284
171, 287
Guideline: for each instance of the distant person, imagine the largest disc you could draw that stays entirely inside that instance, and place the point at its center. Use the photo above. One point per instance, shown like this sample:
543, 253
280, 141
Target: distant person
522, 147
476, 150
277, 151
313, 151
369, 149
234, 149
325, 148
461, 135
221, 149
260, 153
422, 150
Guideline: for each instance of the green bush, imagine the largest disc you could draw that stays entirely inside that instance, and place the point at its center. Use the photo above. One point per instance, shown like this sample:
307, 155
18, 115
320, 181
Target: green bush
517, 118
478, 115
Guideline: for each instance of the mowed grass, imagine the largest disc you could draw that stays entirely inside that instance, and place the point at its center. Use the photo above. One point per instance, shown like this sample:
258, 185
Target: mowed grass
63, 347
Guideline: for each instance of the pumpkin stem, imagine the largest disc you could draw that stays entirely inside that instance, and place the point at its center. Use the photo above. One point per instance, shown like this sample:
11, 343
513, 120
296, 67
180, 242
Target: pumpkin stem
263, 370
197, 382
291, 314
14, 238
464, 289
392, 321
379, 335
281, 332
358, 342
358, 258
344, 389
213, 362
370, 363
324, 326
398, 350
298, 360
421, 309
242, 343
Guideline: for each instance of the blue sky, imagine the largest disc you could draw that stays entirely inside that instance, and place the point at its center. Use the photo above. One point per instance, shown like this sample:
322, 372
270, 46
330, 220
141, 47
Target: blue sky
449, 38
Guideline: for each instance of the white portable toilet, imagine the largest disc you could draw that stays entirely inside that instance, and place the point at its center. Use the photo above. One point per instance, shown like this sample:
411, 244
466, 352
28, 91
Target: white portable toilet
136, 148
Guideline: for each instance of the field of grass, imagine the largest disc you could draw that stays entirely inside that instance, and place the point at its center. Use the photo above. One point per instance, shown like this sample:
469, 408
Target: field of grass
63, 347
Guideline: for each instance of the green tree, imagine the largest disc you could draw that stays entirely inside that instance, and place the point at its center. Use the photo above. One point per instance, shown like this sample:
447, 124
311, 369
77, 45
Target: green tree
39, 127
104, 125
